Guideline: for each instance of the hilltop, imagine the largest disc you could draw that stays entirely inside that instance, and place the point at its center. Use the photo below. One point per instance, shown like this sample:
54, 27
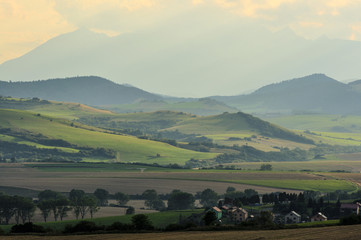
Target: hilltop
315, 93
89, 90
104, 94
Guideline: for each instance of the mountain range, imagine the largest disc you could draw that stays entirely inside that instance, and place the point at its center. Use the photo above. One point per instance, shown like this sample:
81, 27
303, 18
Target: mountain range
197, 61
311, 94
315, 93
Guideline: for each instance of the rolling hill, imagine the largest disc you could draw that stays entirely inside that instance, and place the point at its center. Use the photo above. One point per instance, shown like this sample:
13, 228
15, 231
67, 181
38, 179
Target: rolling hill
105, 94
48, 132
315, 93
87, 90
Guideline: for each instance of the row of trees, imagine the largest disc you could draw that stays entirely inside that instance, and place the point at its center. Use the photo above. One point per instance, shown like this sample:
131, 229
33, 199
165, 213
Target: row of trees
21, 208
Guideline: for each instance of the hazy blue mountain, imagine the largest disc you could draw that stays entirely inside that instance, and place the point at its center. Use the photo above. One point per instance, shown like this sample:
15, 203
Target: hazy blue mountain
189, 57
316, 93
87, 90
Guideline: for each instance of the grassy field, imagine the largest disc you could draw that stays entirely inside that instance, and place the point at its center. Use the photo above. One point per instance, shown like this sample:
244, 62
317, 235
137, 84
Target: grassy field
52, 108
159, 220
317, 233
328, 185
335, 163
200, 107
318, 122
131, 149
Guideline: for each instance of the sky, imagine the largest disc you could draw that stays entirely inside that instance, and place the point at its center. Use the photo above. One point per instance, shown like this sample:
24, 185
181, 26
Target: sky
26, 24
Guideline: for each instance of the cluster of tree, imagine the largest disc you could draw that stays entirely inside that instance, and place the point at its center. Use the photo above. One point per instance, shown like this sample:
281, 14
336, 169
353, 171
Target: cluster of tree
307, 204
239, 198
20, 208
142, 127
342, 195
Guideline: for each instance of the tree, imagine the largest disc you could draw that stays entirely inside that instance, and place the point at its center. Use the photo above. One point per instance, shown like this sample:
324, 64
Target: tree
62, 207
121, 198
209, 218
209, 198
179, 200
250, 192
152, 199
55, 202
266, 167
230, 189
7, 208
102, 196
142, 222
92, 203
130, 211
45, 208
78, 202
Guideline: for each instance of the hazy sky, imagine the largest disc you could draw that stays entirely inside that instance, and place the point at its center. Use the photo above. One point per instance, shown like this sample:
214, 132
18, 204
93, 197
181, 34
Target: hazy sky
25, 24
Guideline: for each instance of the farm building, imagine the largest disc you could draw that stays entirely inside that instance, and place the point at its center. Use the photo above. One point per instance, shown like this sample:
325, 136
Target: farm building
293, 217
217, 211
350, 208
239, 215
319, 217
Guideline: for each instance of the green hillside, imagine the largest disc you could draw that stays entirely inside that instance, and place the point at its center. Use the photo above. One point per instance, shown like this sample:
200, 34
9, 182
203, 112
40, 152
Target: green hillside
236, 123
203, 106
127, 148
56, 109
318, 122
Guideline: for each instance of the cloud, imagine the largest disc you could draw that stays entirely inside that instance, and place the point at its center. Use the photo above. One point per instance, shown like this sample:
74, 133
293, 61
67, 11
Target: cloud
26, 24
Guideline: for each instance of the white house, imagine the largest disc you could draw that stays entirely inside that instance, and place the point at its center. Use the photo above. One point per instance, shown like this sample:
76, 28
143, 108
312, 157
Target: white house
293, 217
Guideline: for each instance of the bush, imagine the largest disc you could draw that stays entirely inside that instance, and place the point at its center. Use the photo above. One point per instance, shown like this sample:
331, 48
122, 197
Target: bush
351, 220
118, 226
1, 232
174, 227
83, 226
142, 222
27, 228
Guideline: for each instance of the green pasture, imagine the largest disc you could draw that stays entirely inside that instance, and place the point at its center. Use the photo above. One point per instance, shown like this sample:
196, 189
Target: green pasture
52, 108
130, 149
21, 141
319, 122
329, 185
159, 220
324, 165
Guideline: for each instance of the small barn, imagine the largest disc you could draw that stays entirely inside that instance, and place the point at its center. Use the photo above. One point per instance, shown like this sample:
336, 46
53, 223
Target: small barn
292, 217
319, 217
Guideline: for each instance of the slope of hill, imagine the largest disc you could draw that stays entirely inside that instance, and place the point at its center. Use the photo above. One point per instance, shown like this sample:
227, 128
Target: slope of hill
87, 90
237, 123
316, 93
203, 106
48, 132
103, 93
55, 109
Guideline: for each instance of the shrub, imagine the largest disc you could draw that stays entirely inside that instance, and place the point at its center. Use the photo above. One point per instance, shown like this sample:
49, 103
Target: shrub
118, 226
27, 228
142, 222
1, 232
83, 226
350, 220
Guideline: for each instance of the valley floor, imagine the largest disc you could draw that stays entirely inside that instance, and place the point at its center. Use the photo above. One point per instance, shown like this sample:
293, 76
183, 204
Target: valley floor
329, 233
